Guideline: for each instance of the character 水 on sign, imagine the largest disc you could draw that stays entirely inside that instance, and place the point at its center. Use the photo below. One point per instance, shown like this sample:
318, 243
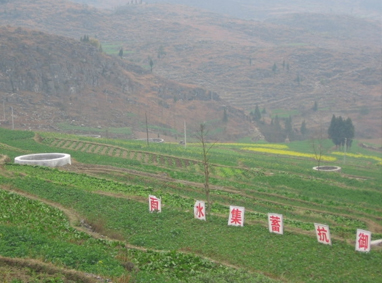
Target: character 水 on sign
200, 210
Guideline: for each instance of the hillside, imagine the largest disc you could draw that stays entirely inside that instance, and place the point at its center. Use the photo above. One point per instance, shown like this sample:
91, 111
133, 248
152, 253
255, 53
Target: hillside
330, 59
51, 80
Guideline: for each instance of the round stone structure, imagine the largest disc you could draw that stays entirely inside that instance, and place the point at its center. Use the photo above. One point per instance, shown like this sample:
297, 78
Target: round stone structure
327, 168
44, 159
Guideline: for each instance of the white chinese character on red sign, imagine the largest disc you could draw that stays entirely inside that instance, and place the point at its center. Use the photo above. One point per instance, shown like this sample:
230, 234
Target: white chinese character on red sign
362, 243
323, 234
275, 223
236, 216
200, 210
154, 204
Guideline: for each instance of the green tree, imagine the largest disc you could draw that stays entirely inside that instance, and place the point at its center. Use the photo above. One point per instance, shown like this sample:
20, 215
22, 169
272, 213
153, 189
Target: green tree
85, 38
94, 42
274, 68
332, 128
161, 52
151, 63
225, 116
120, 54
315, 106
340, 131
256, 115
277, 122
303, 129
273, 132
289, 128
298, 79
349, 132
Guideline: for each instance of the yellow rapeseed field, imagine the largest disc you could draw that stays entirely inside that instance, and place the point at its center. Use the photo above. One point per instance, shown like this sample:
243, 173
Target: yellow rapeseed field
359, 155
289, 153
265, 145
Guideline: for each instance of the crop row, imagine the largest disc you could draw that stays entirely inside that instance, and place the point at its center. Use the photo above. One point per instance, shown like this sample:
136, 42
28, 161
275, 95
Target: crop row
251, 246
257, 209
34, 229
149, 158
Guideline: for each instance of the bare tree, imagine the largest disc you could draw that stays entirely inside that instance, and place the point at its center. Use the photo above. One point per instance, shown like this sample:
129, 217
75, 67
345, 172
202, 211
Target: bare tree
202, 134
319, 146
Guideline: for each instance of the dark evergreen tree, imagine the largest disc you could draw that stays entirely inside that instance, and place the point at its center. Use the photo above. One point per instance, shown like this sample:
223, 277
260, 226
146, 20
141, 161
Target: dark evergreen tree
349, 131
315, 106
332, 129
340, 135
256, 115
298, 79
225, 116
85, 38
274, 68
277, 122
341, 131
303, 129
120, 54
151, 62
289, 128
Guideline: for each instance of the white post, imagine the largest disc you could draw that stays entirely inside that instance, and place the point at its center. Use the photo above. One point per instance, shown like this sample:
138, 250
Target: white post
13, 125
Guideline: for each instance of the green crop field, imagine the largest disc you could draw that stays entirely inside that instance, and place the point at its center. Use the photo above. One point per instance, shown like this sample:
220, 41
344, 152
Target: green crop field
92, 216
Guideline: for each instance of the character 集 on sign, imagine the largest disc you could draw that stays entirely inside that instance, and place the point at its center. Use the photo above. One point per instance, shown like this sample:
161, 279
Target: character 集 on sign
275, 223
362, 243
200, 210
323, 234
236, 216
154, 204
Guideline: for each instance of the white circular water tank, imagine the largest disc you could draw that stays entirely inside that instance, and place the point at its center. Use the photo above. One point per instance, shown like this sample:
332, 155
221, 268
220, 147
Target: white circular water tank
44, 159
327, 168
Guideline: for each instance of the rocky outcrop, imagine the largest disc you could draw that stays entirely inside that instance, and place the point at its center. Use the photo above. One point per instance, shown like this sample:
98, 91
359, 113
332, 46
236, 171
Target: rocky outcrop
43, 67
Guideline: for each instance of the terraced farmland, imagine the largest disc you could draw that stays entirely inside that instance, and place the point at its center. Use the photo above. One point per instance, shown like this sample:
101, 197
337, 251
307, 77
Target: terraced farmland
109, 181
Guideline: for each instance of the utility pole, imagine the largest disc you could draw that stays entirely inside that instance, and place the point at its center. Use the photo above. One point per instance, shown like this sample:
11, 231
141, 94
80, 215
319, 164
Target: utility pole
3, 110
13, 124
147, 131
185, 135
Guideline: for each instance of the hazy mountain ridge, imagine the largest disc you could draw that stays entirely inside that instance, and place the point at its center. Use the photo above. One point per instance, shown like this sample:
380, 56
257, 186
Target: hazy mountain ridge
234, 58
49, 79
263, 9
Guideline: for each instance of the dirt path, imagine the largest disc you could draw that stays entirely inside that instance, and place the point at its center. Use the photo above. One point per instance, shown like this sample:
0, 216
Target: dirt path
74, 218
